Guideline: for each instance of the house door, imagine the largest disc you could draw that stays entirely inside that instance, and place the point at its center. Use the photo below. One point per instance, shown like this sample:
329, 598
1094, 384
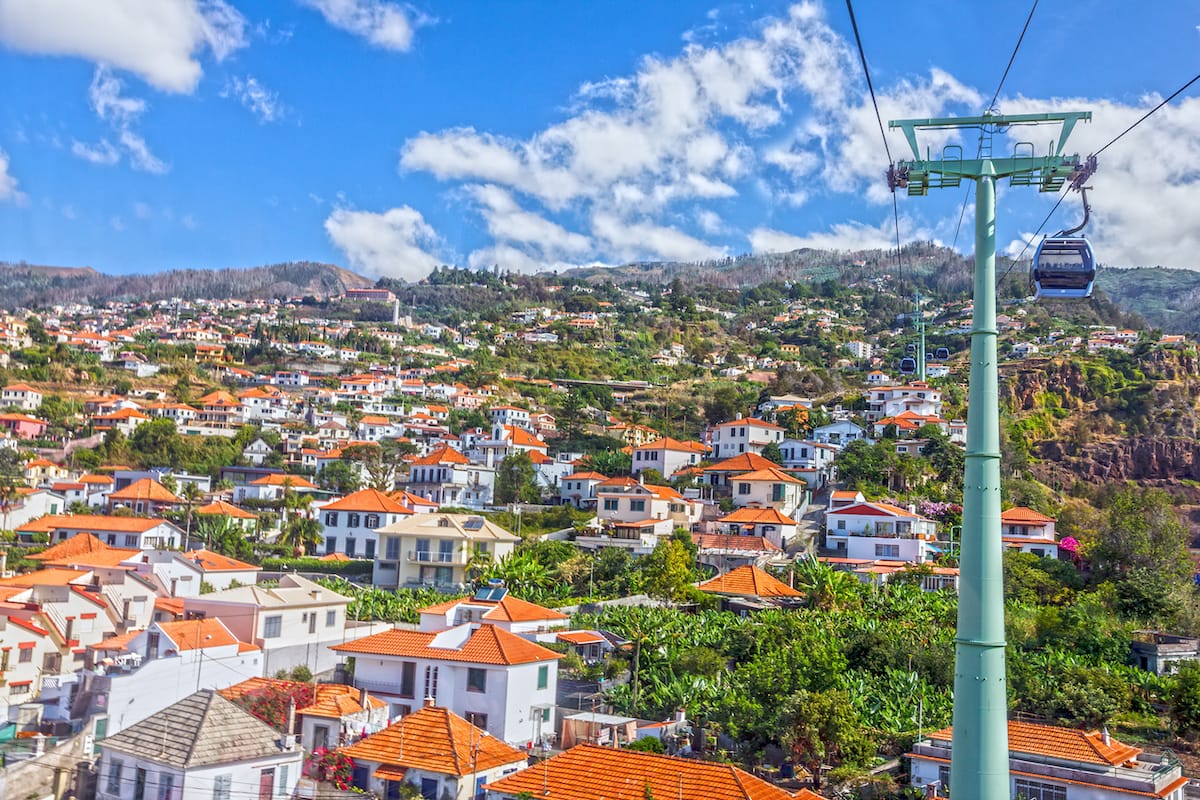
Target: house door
312, 622
391, 790
266, 784
139, 784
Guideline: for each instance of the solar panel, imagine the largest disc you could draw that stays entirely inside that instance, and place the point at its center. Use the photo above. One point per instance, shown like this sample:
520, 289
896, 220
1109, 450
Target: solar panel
491, 594
473, 524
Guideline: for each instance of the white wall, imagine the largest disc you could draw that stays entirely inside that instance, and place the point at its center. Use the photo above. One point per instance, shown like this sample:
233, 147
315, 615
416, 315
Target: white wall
197, 784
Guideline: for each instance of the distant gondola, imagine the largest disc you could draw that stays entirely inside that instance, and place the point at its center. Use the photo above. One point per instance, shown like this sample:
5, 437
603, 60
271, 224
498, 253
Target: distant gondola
911, 348
1064, 267
908, 366
942, 353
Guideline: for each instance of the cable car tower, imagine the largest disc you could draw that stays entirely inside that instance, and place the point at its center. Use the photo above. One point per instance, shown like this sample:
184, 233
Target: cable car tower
979, 757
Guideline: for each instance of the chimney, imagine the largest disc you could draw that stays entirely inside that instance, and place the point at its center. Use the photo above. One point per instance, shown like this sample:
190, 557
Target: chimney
3, 562
291, 717
1104, 737
430, 702
315, 594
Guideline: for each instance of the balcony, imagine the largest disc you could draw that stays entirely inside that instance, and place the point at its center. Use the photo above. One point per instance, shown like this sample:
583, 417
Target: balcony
431, 557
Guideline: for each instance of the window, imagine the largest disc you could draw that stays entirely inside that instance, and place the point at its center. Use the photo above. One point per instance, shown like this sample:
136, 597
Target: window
166, 782
391, 548
422, 547
331, 618
887, 551
370, 548
330, 544
546, 714
331, 519
841, 525
777, 491
114, 777
408, 677
637, 505
26, 656
281, 784
1036, 790
431, 682
944, 778
743, 488
20, 687
221, 786
543, 676
446, 551
131, 541
353, 520
139, 784
372, 520
351, 545
4, 659
476, 679
272, 627
320, 736
610, 504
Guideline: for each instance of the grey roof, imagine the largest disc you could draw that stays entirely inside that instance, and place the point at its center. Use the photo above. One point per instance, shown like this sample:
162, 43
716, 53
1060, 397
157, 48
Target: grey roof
200, 730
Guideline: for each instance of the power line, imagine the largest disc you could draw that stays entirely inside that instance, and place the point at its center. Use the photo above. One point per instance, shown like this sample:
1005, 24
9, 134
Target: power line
870, 86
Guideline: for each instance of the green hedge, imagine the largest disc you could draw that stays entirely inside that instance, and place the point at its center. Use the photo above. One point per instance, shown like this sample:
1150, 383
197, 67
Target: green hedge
317, 565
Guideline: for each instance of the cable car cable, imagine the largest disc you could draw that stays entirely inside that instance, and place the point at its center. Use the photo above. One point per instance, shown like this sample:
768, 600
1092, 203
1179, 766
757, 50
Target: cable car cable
1177, 92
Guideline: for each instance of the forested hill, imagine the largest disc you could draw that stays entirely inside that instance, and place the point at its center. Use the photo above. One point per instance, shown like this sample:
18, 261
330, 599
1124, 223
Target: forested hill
28, 286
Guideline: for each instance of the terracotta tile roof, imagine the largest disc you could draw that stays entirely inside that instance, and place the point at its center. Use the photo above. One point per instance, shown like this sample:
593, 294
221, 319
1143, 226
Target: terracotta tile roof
280, 479
589, 771
771, 474
90, 522
580, 637
209, 561
171, 605
743, 462
368, 501
523, 438
434, 740
845, 494
748, 581
145, 489
667, 443
334, 557
96, 479
119, 643
47, 577
875, 510
663, 492
623, 481
190, 634
220, 508
507, 609
441, 455
109, 557
333, 700
77, 545
717, 541
1023, 514
760, 423
486, 644
758, 516
1061, 743
586, 476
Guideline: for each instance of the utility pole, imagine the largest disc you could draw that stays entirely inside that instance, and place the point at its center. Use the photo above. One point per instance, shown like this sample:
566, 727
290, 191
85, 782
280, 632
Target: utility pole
979, 756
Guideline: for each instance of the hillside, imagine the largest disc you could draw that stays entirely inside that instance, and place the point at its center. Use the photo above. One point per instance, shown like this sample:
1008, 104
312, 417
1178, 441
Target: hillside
24, 285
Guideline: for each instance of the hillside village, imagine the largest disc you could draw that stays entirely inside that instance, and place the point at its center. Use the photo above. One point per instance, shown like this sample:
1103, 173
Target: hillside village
688, 542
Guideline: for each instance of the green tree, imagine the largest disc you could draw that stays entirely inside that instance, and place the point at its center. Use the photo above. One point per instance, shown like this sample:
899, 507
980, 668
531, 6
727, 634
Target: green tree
773, 453
823, 728
1185, 699
611, 463
515, 482
302, 534
669, 573
340, 477
1141, 536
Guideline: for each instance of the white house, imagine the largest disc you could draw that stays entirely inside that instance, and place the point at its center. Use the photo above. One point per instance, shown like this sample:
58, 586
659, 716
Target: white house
1053, 763
889, 401
21, 395
510, 415
139, 533
201, 748
222, 571
293, 623
839, 434
447, 477
880, 530
436, 752
29, 505
767, 523
579, 488
348, 524
667, 455
495, 606
637, 516
770, 488
1029, 531
496, 680
744, 435
436, 549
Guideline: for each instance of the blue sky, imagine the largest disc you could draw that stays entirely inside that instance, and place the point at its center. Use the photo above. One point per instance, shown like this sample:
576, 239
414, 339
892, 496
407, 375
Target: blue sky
389, 137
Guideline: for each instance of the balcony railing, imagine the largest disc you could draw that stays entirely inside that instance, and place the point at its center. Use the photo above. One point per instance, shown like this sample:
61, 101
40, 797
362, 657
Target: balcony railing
431, 557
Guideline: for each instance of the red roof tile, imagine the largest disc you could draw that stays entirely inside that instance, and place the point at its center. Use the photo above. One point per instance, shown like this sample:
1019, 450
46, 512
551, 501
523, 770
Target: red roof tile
748, 581
434, 740
487, 644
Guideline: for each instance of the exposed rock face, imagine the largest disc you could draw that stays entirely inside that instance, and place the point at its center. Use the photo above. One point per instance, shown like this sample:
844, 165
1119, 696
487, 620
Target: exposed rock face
1145, 459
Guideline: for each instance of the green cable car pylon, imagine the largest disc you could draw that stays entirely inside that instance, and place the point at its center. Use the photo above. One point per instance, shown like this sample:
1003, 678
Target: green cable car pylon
979, 755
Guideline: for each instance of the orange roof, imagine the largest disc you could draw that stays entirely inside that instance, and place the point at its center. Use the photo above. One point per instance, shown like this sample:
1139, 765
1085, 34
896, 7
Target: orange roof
590, 771
487, 644
97, 479
586, 476
281, 479
220, 508
19, 387
748, 581
191, 634
667, 443
716, 541
434, 740
367, 500
507, 609
760, 423
1023, 514
772, 474
145, 489
1061, 743
758, 516
171, 605
40, 462
334, 557
441, 455
46, 577
845, 494
875, 510
120, 642
209, 561
523, 438
333, 700
108, 557
580, 637
89, 522
743, 462
78, 544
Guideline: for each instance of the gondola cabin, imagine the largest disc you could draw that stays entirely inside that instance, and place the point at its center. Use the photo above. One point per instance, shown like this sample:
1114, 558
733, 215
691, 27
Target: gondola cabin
1064, 267
908, 366
942, 353
911, 348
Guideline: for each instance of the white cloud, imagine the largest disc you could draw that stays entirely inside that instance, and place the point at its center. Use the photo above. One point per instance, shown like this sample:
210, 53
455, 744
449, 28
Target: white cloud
121, 112
396, 243
8, 184
844, 236
255, 98
710, 221
645, 240
102, 152
383, 24
158, 40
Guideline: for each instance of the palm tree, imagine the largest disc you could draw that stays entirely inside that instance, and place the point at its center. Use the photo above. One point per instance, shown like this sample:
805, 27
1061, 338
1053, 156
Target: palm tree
825, 587
190, 494
302, 534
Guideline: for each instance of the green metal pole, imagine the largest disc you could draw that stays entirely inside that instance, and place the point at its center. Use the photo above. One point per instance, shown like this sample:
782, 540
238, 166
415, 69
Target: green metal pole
979, 760
921, 341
